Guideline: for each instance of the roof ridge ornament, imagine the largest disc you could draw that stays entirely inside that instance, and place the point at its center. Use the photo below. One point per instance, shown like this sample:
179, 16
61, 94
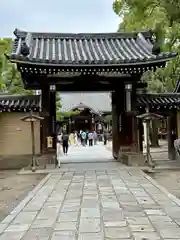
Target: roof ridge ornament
24, 49
19, 34
25, 45
16, 31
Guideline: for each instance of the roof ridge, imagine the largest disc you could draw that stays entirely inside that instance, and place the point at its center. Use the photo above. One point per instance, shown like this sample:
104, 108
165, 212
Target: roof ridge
24, 96
22, 34
164, 94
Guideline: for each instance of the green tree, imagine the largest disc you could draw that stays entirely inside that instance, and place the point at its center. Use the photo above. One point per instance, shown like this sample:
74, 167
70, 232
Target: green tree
10, 79
164, 18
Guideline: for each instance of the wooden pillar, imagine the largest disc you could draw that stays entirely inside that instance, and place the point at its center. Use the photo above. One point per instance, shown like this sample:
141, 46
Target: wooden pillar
130, 122
135, 139
48, 124
115, 130
135, 121
52, 111
45, 130
117, 119
172, 134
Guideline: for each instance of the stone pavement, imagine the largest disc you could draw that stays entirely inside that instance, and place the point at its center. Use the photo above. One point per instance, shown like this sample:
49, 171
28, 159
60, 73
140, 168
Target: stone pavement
95, 201
111, 204
97, 153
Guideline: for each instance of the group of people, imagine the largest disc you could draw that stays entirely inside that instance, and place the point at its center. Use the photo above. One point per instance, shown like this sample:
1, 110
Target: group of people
76, 138
85, 137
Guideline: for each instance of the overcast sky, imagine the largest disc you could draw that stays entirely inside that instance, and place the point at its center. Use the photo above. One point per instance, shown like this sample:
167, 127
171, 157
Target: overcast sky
57, 16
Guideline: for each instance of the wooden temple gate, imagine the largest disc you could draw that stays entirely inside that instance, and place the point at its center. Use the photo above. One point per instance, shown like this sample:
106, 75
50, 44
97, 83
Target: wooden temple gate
112, 62
168, 106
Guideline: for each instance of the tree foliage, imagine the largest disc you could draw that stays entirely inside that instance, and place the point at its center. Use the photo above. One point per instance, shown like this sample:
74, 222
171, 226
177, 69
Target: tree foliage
163, 17
10, 79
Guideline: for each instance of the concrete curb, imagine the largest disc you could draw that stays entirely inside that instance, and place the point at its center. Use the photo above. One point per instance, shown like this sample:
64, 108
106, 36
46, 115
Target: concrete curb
162, 189
24, 202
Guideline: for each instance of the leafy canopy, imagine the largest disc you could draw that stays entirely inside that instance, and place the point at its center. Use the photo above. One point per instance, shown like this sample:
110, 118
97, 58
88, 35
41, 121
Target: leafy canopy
10, 79
163, 16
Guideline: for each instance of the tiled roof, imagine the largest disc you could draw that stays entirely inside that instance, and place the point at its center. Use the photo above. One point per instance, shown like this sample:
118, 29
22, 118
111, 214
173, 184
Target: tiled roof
23, 103
101, 102
117, 49
83, 106
167, 100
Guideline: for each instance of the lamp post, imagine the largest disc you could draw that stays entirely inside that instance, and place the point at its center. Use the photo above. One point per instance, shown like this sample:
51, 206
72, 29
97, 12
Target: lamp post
146, 118
31, 118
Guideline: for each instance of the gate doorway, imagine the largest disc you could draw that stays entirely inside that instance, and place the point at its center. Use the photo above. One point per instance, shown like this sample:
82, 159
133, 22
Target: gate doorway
112, 62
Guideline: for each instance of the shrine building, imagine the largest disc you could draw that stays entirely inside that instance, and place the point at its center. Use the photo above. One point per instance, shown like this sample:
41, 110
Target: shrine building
91, 108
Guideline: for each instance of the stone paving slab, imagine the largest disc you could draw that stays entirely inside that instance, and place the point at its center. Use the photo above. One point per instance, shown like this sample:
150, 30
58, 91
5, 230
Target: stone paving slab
98, 204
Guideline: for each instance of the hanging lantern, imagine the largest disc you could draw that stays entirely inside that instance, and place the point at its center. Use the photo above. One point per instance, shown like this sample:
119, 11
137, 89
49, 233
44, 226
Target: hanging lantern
128, 89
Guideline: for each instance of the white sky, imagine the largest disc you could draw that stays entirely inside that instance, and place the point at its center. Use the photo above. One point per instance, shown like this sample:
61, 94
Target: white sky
57, 16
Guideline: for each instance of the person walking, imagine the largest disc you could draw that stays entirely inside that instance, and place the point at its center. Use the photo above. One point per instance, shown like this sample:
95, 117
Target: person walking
83, 137
65, 143
90, 138
87, 133
58, 150
71, 138
105, 137
95, 137
75, 138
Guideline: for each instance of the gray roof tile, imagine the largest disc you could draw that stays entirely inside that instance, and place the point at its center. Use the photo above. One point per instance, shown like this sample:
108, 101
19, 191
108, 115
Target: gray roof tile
19, 103
168, 100
87, 49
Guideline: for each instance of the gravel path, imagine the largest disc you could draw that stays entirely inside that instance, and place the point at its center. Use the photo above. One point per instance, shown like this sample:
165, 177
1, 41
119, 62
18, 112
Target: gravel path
13, 188
170, 179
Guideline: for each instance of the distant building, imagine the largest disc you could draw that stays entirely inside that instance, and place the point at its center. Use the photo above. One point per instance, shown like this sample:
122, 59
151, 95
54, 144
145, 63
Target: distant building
93, 108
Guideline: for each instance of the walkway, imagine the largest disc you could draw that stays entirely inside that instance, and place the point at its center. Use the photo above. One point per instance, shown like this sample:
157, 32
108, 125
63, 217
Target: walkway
97, 153
107, 203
